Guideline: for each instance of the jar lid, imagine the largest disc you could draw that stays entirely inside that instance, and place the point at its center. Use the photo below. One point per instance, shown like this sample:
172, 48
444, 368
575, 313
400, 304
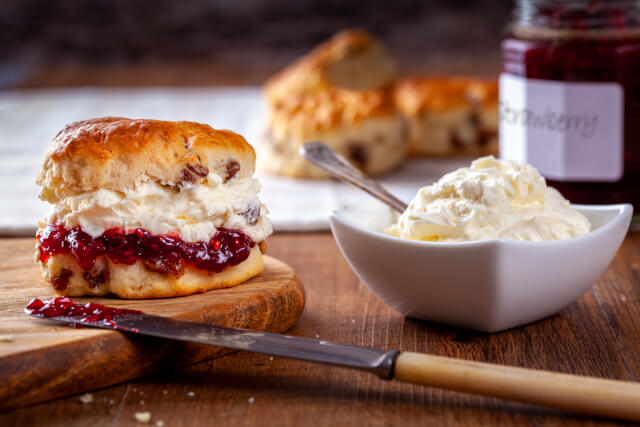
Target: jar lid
578, 15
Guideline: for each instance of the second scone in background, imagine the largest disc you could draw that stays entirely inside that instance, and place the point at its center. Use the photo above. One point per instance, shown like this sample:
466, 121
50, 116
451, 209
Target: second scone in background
348, 94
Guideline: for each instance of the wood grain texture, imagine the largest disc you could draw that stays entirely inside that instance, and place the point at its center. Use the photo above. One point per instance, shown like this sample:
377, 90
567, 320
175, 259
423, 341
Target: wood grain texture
44, 361
597, 335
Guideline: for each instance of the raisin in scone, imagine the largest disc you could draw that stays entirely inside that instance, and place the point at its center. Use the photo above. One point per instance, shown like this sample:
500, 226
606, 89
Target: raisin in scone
449, 116
362, 126
148, 208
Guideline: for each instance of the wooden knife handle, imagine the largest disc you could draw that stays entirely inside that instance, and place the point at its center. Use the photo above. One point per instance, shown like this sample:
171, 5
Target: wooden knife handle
588, 395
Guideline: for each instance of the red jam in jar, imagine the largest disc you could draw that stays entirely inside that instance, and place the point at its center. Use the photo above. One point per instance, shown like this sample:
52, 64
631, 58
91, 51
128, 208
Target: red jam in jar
570, 96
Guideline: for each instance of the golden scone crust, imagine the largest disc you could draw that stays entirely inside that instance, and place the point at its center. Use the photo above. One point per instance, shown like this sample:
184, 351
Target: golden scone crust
116, 153
351, 59
417, 95
307, 114
483, 92
449, 115
363, 126
137, 282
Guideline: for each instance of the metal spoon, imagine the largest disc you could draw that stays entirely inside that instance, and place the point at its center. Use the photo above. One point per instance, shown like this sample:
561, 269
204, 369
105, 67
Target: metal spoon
337, 166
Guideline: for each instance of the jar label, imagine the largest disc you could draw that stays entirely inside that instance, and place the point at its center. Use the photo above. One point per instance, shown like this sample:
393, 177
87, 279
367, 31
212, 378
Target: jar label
569, 131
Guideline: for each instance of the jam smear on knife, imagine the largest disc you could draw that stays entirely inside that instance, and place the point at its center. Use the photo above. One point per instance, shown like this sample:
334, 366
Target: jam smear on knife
82, 313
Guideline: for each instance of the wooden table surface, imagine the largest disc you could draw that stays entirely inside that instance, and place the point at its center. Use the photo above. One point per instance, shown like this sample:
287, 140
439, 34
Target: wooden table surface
598, 335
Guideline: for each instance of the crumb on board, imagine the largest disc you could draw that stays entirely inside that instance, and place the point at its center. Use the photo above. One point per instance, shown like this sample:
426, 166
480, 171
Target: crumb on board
165, 391
6, 337
159, 423
191, 394
317, 335
251, 399
142, 402
86, 398
271, 358
142, 417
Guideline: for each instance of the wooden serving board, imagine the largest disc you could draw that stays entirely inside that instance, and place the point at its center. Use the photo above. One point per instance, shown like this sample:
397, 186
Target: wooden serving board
40, 360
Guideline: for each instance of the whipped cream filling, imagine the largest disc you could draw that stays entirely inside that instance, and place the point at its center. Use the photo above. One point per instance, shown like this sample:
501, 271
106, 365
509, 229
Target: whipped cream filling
194, 212
490, 199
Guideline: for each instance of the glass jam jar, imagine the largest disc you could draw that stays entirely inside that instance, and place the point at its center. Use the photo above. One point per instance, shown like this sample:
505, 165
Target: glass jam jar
570, 96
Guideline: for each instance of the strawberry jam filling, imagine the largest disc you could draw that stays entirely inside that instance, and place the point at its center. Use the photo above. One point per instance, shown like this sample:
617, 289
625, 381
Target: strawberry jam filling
82, 313
161, 253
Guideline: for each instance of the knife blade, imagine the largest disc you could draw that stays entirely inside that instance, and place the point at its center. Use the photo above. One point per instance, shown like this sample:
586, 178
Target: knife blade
367, 359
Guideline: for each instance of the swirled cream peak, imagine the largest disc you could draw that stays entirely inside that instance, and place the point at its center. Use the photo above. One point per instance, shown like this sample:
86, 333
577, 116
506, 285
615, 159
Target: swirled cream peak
194, 211
491, 199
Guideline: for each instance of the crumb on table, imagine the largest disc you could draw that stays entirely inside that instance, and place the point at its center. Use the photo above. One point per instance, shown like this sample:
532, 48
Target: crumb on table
143, 417
86, 398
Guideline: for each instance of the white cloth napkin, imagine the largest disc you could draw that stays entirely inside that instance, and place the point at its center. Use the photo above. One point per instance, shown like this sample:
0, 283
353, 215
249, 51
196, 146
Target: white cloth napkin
29, 119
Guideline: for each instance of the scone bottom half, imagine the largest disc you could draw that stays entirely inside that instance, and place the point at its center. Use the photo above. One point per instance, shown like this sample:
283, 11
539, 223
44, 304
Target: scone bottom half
134, 261
139, 264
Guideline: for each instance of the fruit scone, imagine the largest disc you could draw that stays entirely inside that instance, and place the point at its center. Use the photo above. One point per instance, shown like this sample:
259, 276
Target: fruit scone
362, 126
449, 116
148, 208
338, 94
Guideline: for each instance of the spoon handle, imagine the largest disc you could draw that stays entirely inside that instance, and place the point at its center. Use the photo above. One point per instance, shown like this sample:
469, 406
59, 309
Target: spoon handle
337, 166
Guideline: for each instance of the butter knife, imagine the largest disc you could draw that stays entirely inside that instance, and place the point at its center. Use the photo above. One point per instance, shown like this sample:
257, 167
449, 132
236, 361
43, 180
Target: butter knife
588, 395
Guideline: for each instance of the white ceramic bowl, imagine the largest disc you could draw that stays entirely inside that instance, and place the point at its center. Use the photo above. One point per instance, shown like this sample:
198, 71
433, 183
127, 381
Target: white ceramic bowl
487, 285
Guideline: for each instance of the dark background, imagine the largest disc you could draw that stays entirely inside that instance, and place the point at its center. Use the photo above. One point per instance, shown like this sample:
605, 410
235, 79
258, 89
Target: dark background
129, 42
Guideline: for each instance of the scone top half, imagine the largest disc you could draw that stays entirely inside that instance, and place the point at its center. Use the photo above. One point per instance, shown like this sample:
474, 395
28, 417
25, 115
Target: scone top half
115, 154
339, 94
351, 59
148, 208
